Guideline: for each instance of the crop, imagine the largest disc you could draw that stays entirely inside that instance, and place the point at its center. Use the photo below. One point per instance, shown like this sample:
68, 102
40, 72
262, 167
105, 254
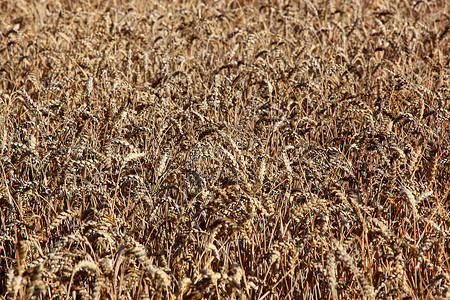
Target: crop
224, 149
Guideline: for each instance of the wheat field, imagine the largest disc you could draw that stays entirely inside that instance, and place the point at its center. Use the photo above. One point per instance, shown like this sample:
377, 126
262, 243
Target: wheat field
224, 149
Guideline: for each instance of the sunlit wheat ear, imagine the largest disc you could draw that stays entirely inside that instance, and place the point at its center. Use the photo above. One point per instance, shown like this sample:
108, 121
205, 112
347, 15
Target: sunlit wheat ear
162, 164
287, 163
331, 274
343, 256
14, 283
411, 200
159, 277
63, 216
83, 265
133, 156
184, 287
262, 170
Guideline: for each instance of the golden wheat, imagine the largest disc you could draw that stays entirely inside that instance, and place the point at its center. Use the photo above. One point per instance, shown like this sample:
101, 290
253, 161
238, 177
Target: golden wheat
224, 150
